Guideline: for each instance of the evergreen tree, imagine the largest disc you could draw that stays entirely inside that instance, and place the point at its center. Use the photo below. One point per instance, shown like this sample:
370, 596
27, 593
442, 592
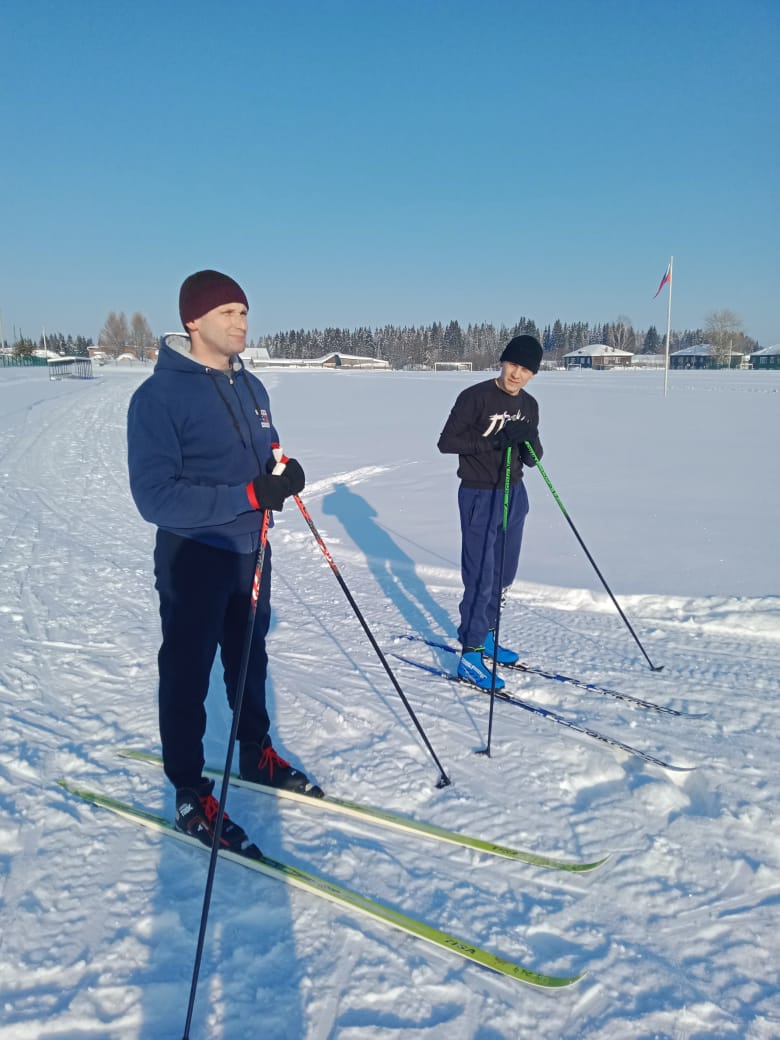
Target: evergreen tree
558, 338
24, 347
452, 342
652, 342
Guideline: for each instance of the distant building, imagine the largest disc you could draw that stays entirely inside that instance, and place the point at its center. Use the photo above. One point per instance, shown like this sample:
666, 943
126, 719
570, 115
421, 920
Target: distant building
100, 355
648, 361
769, 357
701, 355
258, 357
597, 355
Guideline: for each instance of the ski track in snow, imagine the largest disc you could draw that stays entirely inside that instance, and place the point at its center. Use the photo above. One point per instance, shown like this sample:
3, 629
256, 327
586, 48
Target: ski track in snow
678, 930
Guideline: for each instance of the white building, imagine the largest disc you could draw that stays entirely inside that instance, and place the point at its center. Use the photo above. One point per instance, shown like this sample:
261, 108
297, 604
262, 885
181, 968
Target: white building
258, 357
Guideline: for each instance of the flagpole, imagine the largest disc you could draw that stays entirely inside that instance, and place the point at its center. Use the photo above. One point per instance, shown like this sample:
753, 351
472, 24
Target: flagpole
668, 328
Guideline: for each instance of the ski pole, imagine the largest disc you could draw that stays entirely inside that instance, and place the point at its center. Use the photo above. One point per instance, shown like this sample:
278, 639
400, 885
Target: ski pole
246, 650
443, 780
486, 749
554, 493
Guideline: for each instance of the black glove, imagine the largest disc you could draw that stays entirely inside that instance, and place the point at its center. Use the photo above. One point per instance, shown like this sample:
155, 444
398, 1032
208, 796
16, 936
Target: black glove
270, 490
294, 475
512, 434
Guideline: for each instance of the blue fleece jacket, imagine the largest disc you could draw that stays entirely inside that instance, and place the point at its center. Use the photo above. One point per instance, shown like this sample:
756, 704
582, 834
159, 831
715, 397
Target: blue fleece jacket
195, 438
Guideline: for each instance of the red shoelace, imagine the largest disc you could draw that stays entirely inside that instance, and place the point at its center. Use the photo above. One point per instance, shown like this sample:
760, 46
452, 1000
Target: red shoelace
270, 759
211, 808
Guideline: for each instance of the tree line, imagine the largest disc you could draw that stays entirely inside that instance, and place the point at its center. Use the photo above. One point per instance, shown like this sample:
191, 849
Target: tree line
117, 336
420, 346
71, 346
412, 346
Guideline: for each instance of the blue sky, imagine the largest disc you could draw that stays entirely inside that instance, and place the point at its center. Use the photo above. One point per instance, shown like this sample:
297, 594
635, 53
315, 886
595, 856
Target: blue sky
362, 163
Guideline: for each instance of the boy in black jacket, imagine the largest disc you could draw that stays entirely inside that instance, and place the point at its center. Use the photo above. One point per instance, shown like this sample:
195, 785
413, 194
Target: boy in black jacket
485, 420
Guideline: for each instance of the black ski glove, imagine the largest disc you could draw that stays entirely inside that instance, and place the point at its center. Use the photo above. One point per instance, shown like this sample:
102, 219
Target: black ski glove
512, 434
294, 475
269, 490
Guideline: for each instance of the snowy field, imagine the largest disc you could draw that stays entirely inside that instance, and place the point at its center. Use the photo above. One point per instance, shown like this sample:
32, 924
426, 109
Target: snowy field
677, 499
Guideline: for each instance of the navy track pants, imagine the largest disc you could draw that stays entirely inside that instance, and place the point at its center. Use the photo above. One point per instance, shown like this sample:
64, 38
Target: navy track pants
481, 524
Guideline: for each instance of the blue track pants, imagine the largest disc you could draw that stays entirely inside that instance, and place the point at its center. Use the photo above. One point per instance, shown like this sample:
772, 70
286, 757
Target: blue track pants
481, 524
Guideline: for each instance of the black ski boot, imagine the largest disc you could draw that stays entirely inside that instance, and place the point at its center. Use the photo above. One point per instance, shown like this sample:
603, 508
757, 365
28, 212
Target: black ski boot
196, 815
261, 764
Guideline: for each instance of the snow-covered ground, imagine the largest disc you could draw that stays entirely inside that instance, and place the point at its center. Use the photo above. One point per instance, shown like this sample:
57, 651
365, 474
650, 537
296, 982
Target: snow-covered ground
677, 499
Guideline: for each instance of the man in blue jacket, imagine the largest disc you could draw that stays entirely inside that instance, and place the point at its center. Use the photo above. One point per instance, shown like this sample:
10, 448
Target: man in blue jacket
200, 438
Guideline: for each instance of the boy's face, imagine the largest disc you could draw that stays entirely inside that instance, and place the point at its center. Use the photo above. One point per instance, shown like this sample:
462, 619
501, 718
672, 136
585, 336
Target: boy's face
514, 377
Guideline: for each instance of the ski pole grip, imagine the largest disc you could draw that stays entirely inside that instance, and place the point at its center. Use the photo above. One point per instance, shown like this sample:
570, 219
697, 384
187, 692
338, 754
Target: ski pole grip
281, 460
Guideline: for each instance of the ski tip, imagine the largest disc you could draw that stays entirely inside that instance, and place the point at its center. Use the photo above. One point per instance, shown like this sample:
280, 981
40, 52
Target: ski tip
584, 868
569, 866
574, 979
578, 978
552, 981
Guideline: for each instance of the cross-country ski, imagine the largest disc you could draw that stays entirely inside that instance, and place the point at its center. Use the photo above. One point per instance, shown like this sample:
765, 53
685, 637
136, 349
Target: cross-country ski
393, 820
582, 684
545, 713
333, 892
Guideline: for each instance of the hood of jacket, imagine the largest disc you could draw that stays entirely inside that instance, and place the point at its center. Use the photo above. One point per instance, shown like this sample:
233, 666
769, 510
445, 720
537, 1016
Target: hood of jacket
196, 437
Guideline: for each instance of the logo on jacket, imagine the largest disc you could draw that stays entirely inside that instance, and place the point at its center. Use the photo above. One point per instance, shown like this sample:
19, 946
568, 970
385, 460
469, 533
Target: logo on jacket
499, 421
265, 420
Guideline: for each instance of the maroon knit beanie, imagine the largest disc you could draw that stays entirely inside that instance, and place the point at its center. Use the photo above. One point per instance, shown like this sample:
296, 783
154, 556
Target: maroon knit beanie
205, 290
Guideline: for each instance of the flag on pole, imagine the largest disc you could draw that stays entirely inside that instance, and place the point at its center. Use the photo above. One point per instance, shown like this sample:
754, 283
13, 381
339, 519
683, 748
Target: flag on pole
666, 278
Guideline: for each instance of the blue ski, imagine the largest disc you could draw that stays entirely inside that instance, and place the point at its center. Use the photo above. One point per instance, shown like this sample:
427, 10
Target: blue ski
579, 683
535, 709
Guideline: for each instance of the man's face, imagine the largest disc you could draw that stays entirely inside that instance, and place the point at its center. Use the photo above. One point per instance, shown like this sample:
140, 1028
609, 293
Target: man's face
514, 377
219, 334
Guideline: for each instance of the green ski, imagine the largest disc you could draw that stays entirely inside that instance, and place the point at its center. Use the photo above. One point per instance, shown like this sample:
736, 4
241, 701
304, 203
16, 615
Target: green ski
386, 818
334, 892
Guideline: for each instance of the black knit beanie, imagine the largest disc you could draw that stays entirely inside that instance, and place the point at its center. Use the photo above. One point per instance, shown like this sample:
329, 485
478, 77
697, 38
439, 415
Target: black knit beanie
525, 351
205, 290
